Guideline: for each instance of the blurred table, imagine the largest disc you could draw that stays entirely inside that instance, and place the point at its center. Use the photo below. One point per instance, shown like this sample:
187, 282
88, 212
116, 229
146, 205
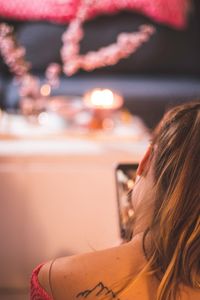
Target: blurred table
58, 196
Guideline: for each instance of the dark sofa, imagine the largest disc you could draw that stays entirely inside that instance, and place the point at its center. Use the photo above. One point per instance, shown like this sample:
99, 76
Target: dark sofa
163, 72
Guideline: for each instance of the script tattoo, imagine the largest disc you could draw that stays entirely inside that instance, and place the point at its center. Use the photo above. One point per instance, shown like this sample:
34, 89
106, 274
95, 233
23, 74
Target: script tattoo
99, 290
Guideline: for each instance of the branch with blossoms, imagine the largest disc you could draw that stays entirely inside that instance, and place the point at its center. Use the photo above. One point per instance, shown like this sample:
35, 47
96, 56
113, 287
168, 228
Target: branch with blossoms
14, 55
127, 43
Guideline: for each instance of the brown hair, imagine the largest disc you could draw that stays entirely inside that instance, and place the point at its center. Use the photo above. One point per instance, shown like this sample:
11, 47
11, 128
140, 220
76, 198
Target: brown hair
174, 231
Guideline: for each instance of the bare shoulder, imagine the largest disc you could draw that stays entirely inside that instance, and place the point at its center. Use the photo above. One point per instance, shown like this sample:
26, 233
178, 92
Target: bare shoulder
75, 276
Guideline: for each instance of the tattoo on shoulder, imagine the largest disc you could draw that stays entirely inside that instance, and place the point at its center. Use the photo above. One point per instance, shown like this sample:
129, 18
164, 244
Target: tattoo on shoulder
99, 290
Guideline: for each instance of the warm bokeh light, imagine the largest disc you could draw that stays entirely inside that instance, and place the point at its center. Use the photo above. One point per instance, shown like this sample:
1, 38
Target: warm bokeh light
45, 90
130, 184
103, 99
43, 118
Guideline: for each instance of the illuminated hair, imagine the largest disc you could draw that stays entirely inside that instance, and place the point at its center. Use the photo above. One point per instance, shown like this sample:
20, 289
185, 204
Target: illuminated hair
171, 213
174, 230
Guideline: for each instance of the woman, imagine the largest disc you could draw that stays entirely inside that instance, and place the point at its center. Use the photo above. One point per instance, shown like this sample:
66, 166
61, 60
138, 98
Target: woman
162, 261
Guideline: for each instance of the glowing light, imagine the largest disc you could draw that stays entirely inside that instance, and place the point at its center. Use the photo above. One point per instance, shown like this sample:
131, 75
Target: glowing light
130, 212
43, 118
45, 90
103, 99
130, 183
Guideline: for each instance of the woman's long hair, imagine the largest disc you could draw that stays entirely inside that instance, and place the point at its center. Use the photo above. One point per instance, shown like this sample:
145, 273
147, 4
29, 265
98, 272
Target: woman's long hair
174, 231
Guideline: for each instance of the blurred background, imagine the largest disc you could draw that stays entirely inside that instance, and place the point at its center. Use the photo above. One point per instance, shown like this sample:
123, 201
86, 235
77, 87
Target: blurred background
65, 124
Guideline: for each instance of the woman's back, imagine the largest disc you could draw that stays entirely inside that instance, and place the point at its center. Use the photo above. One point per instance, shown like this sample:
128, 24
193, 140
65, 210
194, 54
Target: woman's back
166, 227
102, 274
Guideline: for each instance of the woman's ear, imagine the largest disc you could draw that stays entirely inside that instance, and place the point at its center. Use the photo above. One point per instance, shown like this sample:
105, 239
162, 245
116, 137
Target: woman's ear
145, 162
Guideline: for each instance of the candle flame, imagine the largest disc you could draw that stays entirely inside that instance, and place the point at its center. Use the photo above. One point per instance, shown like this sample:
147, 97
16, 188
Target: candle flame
102, 98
